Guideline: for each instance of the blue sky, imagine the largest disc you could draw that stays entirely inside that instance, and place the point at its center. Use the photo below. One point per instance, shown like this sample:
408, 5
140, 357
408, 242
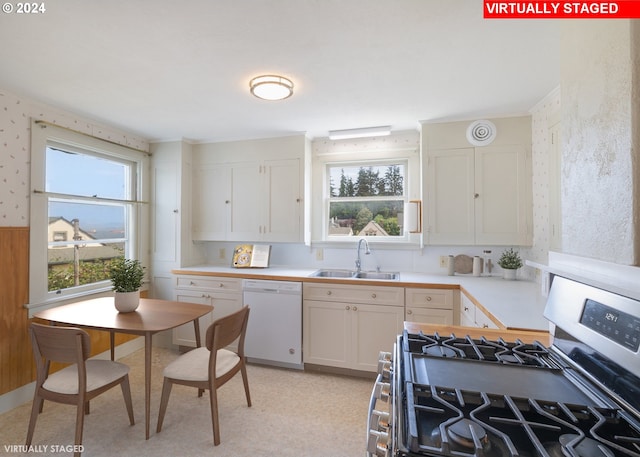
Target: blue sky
86, 175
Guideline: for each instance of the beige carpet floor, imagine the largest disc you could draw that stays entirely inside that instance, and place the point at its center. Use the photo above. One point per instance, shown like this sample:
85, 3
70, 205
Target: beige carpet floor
294, 413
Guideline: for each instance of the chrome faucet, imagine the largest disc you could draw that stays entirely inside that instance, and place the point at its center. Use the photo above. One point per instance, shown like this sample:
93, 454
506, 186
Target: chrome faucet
367, 251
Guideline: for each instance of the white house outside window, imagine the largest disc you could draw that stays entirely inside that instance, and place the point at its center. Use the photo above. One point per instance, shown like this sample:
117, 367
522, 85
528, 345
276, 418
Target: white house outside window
85, 212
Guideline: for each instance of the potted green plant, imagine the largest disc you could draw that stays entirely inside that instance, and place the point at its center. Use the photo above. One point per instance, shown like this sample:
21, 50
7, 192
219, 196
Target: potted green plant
126, 278
510, 261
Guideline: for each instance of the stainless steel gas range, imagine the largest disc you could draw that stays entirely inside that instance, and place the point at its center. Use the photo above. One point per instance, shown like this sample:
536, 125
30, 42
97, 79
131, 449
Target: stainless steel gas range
450, 395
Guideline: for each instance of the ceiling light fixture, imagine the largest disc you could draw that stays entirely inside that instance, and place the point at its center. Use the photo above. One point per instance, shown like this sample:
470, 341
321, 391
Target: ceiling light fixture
271, 87
383, 130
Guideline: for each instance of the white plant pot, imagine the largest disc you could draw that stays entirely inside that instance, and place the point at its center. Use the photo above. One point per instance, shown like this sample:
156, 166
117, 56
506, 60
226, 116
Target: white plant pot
509, 274
127, 302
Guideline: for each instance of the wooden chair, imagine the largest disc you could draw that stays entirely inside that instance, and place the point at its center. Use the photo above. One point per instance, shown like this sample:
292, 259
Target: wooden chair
208, 368
79, 382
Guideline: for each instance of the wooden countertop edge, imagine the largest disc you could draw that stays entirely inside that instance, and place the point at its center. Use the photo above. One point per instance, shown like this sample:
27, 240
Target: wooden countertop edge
527, 336
486, 312
246, 274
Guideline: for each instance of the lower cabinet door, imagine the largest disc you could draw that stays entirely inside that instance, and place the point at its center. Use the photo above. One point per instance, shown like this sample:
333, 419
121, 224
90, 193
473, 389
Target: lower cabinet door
326, 333
374, 329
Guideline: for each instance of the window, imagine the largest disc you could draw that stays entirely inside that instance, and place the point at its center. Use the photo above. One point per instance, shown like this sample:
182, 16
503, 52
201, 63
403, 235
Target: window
85, 211
361, 187
366, 199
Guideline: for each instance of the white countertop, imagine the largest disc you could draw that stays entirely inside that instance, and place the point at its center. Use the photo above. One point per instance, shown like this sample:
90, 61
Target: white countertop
516, 304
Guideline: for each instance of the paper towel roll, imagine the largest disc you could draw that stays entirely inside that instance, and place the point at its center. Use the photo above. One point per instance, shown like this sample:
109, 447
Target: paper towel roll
451, 265
477, 266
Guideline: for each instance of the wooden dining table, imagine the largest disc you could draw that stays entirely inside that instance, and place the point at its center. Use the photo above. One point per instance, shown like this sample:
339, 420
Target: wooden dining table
151, 316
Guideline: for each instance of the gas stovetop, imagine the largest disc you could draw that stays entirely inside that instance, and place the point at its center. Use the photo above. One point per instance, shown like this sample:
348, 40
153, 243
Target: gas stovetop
457, 396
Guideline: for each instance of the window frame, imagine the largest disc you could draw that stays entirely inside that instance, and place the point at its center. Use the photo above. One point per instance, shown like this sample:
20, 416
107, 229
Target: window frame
401, 147
45, 135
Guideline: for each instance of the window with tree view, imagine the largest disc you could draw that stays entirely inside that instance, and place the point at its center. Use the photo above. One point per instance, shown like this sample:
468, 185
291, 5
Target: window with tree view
366, 199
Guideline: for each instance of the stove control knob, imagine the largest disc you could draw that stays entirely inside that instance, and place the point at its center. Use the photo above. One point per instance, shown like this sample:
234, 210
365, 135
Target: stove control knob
380, 420
381, 391
384, 369
378, 444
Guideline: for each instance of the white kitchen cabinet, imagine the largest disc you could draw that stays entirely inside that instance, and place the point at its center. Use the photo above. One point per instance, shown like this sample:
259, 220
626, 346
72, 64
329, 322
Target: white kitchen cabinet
429, 306
224, 294
472, 316
248, 201
347, 326
478, 195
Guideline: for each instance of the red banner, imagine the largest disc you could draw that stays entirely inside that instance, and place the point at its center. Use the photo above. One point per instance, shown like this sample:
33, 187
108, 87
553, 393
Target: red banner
625, 9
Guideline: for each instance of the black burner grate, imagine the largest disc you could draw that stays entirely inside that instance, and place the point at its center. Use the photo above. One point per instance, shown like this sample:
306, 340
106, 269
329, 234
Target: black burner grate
445, 421
498, 351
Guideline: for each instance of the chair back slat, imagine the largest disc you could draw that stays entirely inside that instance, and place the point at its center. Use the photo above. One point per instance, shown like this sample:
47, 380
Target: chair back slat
226, 330
60, 344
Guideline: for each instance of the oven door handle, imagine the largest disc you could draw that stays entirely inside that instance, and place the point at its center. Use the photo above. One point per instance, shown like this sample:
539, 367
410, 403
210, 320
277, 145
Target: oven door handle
372, 405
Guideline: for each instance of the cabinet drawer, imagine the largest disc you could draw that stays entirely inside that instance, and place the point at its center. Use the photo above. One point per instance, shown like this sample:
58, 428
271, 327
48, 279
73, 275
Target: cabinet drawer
429, 298
210, 283
393, 296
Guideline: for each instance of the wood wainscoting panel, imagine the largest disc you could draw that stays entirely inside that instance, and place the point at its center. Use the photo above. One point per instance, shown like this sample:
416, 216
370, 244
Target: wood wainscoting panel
16, 359
17, 366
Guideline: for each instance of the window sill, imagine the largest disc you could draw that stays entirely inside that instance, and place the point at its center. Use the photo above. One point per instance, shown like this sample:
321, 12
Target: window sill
33, 308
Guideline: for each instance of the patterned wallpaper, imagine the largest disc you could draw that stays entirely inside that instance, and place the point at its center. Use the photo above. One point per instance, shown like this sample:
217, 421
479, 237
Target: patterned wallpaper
15, 120
541, 114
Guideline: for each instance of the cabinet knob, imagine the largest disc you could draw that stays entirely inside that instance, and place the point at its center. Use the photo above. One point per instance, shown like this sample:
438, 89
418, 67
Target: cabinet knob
227, 201
409, 311
476, 195
466, 308
355, 308
428, 297
485, 325
191, 283
175, 211
220, 285
347, 307
373, 295
328, 292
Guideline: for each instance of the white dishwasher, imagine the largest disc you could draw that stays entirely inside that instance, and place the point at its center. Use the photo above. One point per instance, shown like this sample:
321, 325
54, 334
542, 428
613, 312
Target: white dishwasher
274, 332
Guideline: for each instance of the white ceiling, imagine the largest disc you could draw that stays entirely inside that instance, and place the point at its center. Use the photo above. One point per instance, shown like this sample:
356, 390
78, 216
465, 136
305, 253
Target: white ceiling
170, 69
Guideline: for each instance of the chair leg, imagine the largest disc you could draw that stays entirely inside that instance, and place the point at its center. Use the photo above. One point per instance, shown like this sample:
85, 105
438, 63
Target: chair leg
164, 400
79, 425
126, 393
245, 381
36, 407
213, 398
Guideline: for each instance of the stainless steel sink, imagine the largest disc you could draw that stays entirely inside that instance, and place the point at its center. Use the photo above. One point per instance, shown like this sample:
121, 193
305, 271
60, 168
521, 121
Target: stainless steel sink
331, 273
387, 276
338, 273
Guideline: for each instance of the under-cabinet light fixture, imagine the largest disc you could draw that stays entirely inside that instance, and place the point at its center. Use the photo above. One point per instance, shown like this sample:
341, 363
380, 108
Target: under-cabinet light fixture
271, 87
383, 130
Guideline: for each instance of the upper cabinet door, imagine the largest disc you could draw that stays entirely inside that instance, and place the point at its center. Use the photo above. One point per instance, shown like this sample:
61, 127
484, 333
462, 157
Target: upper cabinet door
502, 206
283, 190
211, 201
247, 202
450, 198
